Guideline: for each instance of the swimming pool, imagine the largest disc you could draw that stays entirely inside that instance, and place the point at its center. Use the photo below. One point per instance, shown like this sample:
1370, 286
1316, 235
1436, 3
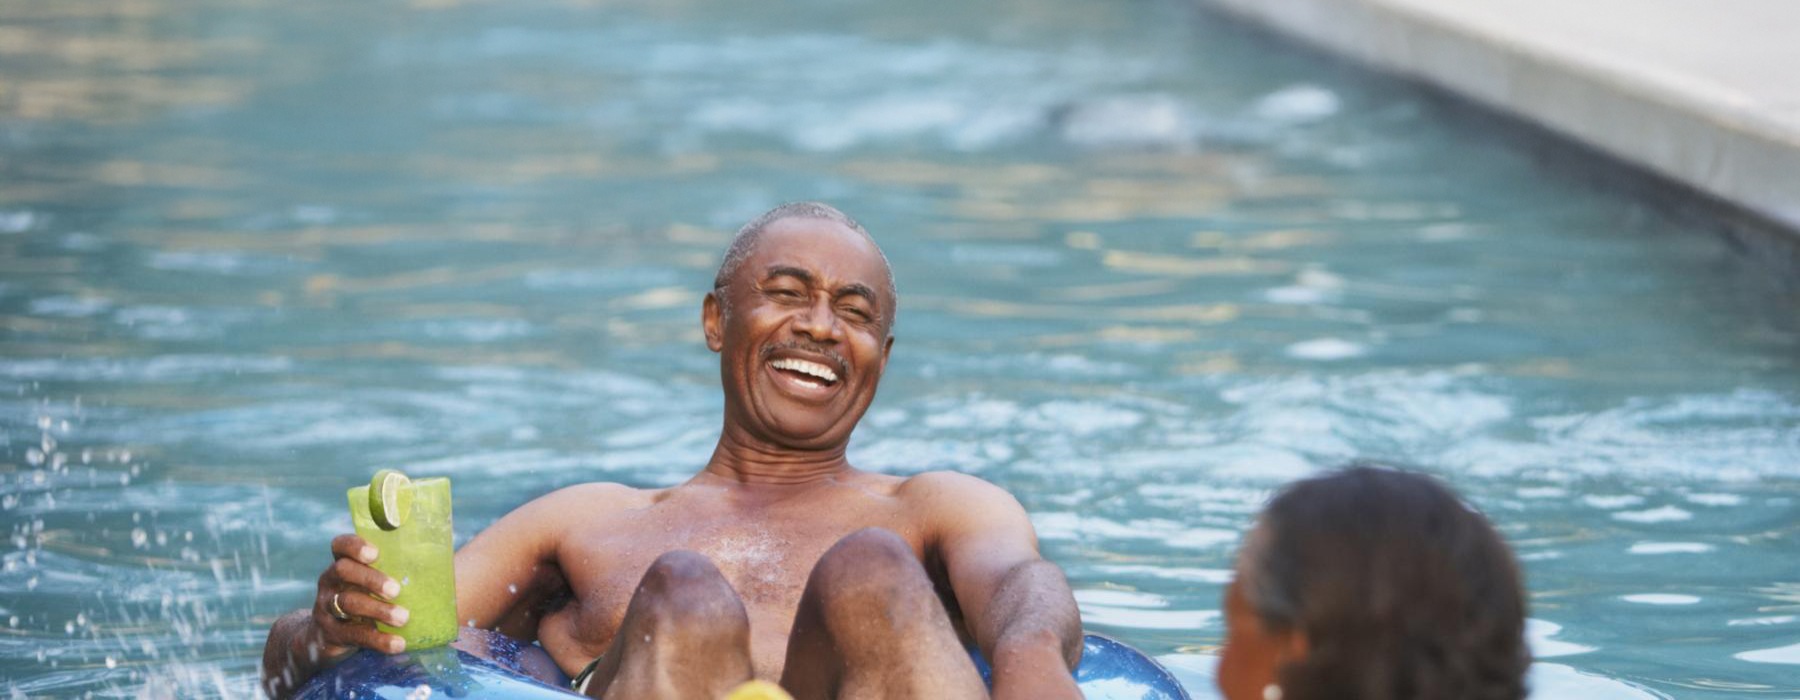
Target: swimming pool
1151, 267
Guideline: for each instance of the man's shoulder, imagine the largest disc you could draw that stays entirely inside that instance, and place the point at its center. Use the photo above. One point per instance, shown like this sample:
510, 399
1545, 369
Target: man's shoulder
587, 497
955, 507
954, 489
537, 528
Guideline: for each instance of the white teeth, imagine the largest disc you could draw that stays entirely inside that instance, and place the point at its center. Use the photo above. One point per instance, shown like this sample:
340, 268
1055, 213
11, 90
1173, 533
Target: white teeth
804, 367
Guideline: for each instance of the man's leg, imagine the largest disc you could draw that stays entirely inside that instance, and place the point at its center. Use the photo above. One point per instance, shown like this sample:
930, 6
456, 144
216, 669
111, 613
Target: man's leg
685, 635
870, 625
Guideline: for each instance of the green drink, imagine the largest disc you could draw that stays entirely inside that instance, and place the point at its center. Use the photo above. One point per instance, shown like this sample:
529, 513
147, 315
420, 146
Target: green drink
417, 552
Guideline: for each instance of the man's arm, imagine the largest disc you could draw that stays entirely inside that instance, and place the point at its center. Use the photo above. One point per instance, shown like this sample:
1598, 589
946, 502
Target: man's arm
1016, 604
513, 573
502, 574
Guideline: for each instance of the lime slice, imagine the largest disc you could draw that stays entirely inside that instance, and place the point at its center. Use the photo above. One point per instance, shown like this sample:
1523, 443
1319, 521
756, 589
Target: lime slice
390, 499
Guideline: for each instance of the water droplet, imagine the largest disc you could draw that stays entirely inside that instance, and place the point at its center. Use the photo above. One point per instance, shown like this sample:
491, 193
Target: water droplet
512, 588
112, 662
139, 537
34, 457
43, 422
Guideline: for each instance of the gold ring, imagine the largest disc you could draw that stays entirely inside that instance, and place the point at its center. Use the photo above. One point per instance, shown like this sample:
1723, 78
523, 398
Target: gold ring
337, 610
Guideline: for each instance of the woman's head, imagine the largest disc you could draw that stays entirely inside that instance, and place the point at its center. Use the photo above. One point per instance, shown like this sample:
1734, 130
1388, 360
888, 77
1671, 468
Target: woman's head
1374, 584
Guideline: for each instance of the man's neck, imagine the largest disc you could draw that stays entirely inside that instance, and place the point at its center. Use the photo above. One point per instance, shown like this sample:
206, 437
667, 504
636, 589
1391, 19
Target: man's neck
745, 459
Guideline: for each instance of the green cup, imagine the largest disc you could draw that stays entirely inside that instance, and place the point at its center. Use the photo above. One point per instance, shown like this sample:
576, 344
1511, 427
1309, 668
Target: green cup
420, 555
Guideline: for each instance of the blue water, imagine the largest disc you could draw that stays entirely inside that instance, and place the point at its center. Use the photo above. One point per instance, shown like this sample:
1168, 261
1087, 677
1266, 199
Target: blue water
1152, 266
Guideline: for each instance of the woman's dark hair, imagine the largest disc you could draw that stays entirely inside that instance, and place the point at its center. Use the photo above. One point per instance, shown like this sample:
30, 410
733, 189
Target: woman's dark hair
1403, 592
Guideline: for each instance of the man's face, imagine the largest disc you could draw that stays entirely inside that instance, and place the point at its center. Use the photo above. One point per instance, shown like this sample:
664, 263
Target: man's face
806, 339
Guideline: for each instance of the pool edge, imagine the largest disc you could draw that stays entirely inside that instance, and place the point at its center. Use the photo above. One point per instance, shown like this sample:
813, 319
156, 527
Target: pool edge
1651, 116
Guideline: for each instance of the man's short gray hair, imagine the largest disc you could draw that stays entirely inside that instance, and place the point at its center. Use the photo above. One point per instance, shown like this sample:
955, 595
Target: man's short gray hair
746, 237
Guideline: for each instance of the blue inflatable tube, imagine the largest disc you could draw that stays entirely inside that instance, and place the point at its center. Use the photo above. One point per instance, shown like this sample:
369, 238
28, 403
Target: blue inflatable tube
488, 665
1112, 670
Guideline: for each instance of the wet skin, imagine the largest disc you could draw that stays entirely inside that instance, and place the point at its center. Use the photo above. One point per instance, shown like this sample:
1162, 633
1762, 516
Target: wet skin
811, 299
763, 543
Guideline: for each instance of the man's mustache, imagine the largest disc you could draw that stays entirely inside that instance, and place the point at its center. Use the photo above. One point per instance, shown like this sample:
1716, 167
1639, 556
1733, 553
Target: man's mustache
838, 362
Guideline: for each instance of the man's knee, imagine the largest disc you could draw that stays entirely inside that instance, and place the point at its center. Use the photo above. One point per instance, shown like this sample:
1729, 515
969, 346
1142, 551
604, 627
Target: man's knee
685, 634
872, 566
683, 587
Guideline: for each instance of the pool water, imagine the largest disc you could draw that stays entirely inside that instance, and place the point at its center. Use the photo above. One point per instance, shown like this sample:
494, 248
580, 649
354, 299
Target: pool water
1152, 266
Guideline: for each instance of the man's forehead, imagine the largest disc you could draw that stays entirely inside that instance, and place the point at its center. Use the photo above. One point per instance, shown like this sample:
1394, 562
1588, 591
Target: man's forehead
818, 246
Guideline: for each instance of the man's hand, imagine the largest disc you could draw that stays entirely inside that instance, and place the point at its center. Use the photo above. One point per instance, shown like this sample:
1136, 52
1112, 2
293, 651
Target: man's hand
350, 597
503, 577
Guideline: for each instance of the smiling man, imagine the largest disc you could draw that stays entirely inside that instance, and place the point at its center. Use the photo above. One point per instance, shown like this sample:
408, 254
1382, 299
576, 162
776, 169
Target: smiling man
778, 560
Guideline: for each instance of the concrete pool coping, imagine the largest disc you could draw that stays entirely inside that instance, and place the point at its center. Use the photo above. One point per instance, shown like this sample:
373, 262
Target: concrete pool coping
1705, 93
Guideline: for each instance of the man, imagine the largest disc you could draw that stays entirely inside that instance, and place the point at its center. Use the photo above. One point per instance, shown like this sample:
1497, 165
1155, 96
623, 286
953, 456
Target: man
779, 560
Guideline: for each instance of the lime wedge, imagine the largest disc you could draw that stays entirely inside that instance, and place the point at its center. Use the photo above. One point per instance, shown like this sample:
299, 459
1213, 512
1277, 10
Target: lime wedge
390, 499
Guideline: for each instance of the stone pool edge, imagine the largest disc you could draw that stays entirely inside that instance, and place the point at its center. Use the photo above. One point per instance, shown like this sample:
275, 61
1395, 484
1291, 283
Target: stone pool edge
1552, 66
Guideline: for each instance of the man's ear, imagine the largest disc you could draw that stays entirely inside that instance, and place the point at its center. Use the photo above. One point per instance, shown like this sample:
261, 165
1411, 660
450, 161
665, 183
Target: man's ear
887, 348
712, 322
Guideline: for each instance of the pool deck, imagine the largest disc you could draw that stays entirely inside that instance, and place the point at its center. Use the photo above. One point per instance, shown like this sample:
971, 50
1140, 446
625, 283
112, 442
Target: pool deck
1703, 92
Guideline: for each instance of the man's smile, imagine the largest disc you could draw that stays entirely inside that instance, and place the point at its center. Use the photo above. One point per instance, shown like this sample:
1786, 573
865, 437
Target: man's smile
810, 374
811, 369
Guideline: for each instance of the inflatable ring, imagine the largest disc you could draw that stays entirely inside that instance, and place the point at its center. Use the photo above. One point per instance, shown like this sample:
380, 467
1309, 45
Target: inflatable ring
486, 665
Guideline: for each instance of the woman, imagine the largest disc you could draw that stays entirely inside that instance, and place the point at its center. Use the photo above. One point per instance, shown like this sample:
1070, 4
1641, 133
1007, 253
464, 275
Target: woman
1373, 584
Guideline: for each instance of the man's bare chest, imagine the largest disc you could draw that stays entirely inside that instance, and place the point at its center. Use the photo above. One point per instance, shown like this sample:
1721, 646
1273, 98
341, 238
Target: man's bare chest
766, 554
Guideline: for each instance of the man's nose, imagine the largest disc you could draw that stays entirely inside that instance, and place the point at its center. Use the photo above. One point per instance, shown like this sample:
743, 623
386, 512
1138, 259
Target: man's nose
817, 322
